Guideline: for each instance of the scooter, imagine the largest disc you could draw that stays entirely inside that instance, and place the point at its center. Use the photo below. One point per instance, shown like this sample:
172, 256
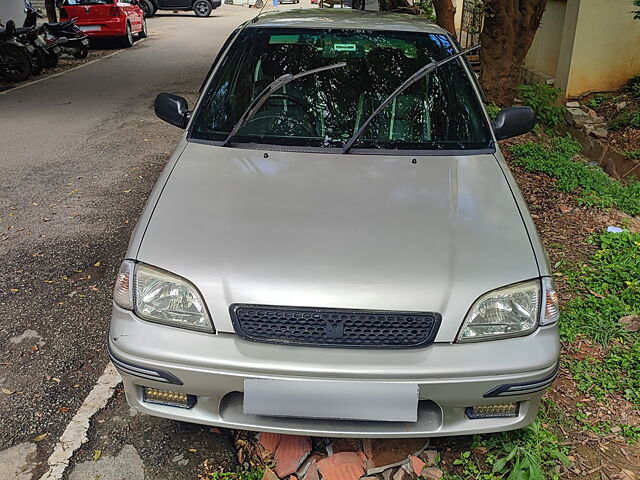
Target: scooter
45, 44
77, 42
15, 57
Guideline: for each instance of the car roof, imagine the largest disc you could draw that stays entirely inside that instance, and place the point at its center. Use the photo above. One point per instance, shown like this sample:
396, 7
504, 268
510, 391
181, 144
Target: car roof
327, 18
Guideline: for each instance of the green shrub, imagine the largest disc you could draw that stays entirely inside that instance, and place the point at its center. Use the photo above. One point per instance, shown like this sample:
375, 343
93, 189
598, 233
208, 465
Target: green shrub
532, 453
542, 99
632, 154
634, 86
595, 187
492, 110
595, 102
624, 119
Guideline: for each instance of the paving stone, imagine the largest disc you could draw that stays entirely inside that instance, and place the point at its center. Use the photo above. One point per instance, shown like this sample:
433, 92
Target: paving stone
291, 452
127, 465
16, 462
417, 465
573, 104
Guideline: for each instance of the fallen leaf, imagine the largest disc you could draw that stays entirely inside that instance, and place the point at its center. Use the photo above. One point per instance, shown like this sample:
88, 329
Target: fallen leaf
127, 191
193, 450
6, 391
97, 264
96, 455
39, 438
57, 380
63, 409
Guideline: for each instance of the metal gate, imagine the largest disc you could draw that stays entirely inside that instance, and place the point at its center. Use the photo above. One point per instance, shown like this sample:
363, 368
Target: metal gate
472, 20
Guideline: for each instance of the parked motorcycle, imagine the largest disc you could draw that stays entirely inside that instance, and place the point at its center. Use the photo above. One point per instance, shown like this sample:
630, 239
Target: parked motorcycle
47, 46
16, 62
77, 42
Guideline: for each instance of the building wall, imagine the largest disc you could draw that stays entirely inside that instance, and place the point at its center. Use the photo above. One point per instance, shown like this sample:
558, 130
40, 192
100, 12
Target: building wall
12, 10
600, 47
545, 50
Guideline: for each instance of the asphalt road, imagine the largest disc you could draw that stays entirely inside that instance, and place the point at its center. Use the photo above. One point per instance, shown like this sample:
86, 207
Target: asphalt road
79, 154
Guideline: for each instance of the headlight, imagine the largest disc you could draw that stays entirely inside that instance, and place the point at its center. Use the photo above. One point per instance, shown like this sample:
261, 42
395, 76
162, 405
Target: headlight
159, 296
508, 312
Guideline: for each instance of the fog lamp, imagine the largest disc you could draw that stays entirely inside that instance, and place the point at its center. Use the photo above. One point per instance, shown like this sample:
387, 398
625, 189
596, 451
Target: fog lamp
493, 411
167, 397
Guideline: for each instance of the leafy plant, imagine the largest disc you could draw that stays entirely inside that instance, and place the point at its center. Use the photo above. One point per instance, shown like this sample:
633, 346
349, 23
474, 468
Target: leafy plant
542, 99
595, 187
492, 110
595, 102
625, 118
249, 474
427, 10
634, 85
632, 154
607, 288
531, 453
636, 14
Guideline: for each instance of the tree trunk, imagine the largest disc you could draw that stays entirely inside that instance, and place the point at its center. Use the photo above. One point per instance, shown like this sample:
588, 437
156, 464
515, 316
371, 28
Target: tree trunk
445, 15
509, 29
50, 6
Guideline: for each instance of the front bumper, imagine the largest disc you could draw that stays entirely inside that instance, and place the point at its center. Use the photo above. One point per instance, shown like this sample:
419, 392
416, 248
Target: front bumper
450, 377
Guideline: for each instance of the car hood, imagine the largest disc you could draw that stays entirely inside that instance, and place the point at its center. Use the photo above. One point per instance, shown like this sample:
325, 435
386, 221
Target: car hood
379, 232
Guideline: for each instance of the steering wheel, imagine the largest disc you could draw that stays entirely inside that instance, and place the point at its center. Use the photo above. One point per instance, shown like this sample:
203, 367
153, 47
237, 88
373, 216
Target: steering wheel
306, 107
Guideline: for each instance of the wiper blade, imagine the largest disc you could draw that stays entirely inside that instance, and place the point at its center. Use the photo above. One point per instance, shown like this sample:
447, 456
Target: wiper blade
278, 83
421, 73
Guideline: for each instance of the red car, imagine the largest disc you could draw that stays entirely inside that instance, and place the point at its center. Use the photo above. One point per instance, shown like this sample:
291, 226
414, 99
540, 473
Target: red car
107, 18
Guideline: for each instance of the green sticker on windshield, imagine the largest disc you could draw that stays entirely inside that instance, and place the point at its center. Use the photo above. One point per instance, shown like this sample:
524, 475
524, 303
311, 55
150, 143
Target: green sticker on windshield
345, 47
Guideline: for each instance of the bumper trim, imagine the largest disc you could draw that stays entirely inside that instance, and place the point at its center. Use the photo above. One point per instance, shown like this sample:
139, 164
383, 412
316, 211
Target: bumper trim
143, 372
524, 388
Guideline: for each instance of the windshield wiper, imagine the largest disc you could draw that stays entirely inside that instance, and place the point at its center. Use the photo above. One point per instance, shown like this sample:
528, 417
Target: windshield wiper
422, 72
278, 83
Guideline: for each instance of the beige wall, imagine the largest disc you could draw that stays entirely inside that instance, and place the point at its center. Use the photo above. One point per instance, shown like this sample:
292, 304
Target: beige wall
600, 47
545, 50
12, 10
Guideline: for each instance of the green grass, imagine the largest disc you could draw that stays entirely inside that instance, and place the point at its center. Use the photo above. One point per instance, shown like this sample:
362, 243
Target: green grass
531, 453
608, 288
249, 474
594, 187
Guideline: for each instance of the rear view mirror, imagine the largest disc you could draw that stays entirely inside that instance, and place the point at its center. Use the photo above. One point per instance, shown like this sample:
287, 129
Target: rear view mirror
513, 121
172, 109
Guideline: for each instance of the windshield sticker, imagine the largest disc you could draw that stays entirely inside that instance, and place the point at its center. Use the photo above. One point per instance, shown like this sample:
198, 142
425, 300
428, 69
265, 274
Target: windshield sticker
345, 47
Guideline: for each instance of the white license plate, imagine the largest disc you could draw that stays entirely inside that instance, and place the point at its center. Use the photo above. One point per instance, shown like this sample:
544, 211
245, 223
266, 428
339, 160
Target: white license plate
90, 28
377, 401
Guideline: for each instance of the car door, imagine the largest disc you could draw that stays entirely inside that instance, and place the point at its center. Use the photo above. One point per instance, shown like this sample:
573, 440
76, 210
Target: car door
175, 3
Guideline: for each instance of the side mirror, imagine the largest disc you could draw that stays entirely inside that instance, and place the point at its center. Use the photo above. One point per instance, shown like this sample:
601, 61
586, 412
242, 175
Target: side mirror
513, 121
172, 109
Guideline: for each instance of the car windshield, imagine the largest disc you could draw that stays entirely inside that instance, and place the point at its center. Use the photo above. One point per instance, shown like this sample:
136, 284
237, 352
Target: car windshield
440, 112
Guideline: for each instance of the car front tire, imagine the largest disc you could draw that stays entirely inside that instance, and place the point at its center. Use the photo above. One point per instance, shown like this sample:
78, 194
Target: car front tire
202, 8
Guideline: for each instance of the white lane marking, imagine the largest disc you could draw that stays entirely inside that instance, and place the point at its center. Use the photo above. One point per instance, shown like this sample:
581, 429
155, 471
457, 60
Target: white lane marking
76, 432
48, 77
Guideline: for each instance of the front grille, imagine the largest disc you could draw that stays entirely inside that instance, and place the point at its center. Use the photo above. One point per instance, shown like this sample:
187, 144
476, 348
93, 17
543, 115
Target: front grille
330, 327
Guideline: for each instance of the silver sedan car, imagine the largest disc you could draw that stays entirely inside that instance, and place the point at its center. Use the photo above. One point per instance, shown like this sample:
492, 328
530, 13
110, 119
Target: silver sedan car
337, 246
